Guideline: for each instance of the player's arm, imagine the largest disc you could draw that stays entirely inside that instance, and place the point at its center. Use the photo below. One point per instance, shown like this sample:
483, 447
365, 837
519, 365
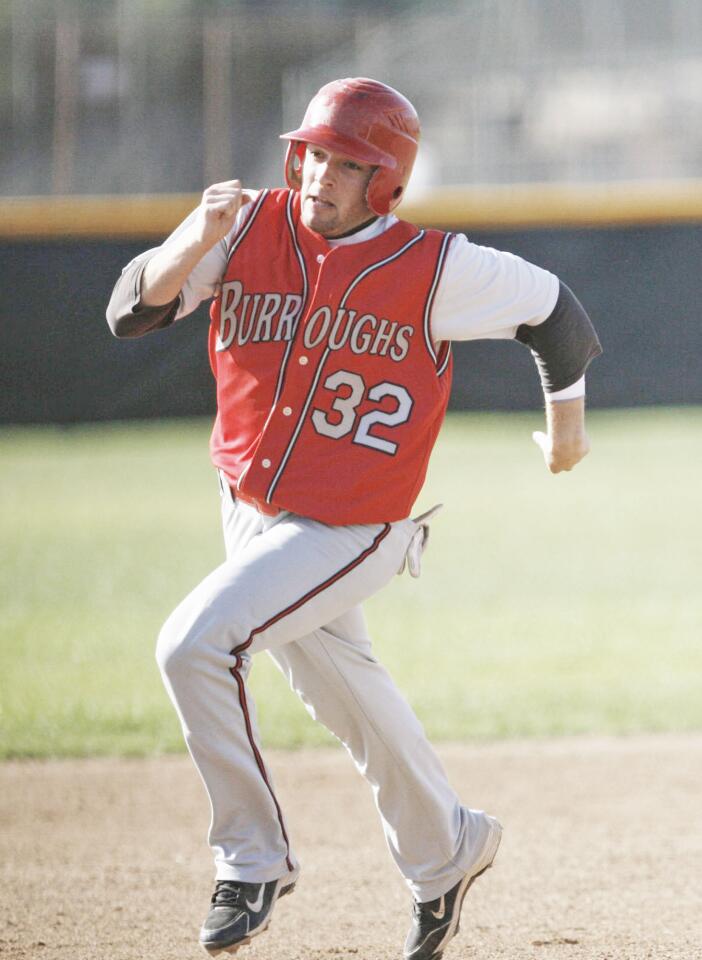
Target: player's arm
490, 294
563, 345
166, 272
168, 282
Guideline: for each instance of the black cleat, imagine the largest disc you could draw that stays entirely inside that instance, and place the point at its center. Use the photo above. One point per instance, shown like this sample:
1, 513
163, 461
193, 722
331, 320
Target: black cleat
436, 922
239, 912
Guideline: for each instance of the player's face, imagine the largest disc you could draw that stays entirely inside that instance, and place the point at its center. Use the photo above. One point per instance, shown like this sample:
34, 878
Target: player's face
333, 192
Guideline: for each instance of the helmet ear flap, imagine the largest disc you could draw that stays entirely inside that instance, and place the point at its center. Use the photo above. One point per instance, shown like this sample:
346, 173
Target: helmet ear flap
294, 158
384, 193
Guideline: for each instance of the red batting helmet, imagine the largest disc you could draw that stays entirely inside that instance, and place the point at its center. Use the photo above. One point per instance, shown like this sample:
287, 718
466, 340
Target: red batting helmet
365, 120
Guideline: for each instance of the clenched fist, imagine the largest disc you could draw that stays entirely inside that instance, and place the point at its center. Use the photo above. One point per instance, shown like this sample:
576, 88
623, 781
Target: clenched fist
217, 211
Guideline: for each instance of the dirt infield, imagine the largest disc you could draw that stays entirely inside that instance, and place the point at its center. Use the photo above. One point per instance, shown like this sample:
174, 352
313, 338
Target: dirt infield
601, 857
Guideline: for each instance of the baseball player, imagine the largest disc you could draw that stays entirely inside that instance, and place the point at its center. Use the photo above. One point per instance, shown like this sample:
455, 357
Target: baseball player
330, 342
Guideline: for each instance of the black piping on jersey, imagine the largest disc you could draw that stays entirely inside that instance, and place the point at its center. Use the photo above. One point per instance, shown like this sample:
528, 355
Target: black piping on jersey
447, 357
381, 263
342, 303
298, 425
236, 669
440, 260
235, 246
303, 304
247, 225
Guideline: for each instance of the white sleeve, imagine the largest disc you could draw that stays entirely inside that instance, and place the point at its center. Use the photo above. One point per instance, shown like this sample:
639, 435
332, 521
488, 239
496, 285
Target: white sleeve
485, 294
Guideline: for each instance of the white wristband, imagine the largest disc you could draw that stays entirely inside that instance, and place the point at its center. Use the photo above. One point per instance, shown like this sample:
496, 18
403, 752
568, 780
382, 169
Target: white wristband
572, 392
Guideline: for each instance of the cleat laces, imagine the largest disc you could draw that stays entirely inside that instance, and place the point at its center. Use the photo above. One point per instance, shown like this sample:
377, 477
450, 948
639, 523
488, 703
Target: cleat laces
227, 894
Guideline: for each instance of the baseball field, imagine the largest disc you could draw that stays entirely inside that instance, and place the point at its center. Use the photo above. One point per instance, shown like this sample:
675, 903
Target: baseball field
552, 645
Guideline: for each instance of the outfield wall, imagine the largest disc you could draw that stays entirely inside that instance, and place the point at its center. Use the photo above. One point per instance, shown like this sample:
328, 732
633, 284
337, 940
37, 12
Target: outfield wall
632, 253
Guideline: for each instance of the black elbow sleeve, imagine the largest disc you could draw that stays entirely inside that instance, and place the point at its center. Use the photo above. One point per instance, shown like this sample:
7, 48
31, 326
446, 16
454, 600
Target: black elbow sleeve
126, 317
564, 344
136, 323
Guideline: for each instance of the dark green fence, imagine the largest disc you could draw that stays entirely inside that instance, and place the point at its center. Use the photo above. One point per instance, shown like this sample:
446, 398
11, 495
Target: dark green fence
642, 286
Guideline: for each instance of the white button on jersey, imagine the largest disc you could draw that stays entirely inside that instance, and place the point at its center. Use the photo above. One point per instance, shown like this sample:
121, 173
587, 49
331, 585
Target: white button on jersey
266, 463
302, 361
287, 411
320, 258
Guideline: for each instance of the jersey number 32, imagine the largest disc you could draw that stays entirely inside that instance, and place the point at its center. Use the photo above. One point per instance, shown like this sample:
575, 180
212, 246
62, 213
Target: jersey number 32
346, 406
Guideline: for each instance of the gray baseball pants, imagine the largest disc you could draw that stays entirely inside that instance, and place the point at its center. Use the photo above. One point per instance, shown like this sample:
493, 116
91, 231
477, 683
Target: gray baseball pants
293, 586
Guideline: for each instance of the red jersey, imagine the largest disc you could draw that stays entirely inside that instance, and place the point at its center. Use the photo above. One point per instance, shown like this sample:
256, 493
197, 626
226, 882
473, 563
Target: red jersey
330, 392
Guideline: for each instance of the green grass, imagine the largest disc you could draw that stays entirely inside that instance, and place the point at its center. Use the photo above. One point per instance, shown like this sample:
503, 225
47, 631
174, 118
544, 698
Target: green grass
548, 605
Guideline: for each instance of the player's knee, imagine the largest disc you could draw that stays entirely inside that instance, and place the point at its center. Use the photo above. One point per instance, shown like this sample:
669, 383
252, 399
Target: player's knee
181, 643
170, 647
186, 646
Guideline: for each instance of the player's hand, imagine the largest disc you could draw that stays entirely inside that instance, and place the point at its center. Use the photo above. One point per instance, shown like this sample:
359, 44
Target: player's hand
217, 212
565, 443
561, 455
